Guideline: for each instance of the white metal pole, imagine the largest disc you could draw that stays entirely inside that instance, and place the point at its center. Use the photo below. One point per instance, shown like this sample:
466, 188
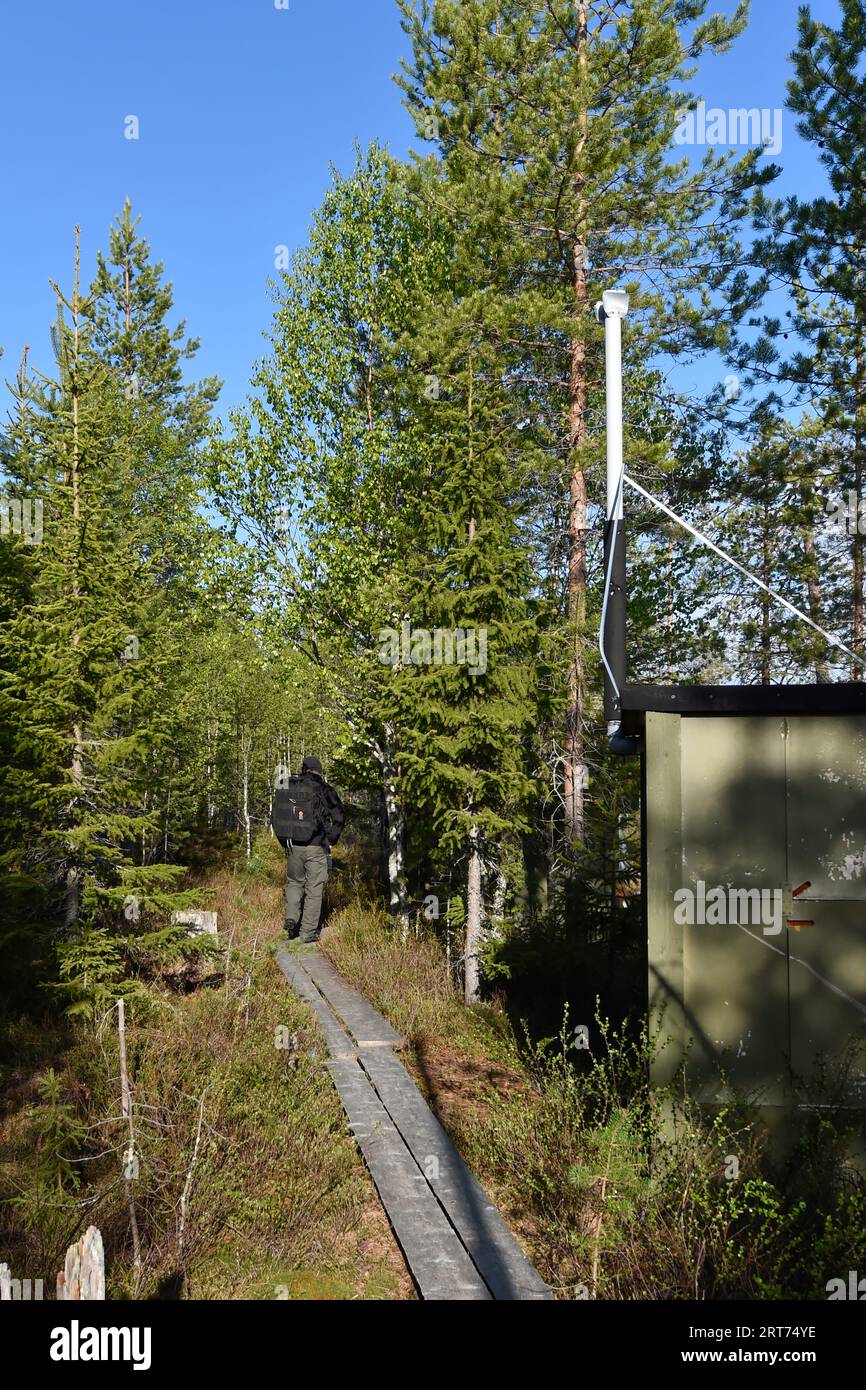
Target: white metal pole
612, 638
614, 307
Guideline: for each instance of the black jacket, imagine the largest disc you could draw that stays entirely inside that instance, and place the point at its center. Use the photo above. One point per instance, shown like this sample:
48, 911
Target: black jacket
334, 815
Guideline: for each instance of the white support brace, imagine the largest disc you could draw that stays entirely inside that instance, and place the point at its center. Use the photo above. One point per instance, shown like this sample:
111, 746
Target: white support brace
753, 579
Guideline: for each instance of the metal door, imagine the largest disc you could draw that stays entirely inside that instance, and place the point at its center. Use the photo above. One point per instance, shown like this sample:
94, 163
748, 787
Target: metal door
735, 976
826, 841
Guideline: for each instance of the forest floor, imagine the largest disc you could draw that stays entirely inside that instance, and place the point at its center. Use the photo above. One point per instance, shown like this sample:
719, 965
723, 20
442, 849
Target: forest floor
277, 1201
273, 1201
248, 1183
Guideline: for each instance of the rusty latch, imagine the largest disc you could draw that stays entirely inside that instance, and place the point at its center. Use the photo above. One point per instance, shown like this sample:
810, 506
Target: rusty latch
788, 902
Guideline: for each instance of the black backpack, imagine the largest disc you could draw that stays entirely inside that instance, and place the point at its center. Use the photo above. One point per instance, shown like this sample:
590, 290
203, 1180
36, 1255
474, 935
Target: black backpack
297, 810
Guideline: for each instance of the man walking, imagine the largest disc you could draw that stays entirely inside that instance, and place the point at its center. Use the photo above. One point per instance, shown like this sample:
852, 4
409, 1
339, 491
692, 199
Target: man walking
314, 822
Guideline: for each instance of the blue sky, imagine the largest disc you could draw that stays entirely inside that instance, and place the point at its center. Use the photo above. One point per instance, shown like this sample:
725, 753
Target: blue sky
242, 109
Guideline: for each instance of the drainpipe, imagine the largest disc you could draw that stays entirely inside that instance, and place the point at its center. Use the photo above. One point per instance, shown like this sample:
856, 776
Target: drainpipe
611, 312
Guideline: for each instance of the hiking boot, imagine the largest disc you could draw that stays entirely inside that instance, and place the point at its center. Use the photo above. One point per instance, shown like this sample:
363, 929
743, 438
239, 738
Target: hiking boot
310, 940
291, 929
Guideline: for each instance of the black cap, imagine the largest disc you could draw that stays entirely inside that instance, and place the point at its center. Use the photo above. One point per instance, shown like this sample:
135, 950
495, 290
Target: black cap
311, 764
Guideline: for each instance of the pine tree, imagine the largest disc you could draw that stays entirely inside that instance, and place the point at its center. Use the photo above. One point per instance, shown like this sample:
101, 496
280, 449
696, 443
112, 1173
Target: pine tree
554, 127
816, 250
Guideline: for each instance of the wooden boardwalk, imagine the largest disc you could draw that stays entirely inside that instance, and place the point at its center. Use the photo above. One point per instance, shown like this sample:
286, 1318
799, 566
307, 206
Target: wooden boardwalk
455, 1242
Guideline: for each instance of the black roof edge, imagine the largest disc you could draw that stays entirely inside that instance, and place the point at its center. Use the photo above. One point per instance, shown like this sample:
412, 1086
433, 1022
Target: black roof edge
848, 697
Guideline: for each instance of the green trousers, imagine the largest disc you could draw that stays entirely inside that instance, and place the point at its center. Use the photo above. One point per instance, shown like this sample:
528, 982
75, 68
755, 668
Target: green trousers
307, 872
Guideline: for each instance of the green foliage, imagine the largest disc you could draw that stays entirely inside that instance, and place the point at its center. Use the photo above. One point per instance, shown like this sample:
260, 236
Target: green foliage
421, 451
96, 729
248, 1133
812, 355
59, 1135
631, 1194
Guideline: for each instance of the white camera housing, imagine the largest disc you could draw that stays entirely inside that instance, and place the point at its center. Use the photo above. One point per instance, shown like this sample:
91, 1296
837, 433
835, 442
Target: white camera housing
613, 305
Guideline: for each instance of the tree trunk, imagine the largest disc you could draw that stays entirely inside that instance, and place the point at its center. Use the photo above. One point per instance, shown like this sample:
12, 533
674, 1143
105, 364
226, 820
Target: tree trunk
474, 920
857, 543
383, 841
72, 891
766, 575
143, 837
167, 822
245, 754
398, 897
573, 788
499, 892
210, 775
129, 1165
813, 588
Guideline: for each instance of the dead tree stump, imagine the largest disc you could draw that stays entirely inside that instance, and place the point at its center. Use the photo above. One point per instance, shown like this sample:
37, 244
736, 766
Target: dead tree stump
83, 1275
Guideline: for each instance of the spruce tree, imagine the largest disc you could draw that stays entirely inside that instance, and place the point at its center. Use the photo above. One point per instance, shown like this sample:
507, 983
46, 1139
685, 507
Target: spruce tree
84, 670
163, 424
466, 744
164, 420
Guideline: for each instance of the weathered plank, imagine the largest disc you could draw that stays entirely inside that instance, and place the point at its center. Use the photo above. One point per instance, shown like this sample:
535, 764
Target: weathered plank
437, 1259
339, 1043
495, 1251
456, 1244
365, 1023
